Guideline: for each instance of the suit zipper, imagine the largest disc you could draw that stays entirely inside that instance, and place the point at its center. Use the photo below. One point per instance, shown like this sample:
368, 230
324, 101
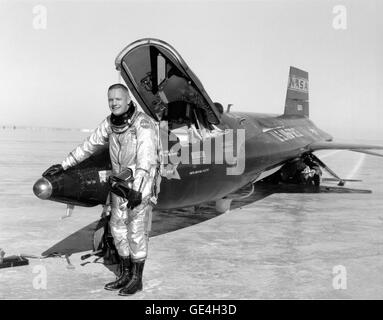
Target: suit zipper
118, 155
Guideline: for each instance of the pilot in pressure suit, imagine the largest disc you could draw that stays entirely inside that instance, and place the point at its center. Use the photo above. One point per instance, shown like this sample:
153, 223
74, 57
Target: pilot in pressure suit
133, 143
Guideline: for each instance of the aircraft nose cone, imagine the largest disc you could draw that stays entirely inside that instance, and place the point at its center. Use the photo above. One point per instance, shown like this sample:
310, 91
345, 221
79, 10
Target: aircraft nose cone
42, 189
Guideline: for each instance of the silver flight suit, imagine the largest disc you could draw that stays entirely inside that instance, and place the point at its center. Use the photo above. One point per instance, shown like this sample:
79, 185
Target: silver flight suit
134, 146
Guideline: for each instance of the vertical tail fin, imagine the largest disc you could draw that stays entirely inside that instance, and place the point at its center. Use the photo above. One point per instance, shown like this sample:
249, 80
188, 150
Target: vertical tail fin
297, 97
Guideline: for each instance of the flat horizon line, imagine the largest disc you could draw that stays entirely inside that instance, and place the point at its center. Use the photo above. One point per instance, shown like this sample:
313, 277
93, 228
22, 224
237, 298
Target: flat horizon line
31, 127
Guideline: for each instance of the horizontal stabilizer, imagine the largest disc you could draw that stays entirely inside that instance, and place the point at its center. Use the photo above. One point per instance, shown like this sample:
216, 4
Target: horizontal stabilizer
293, 188
337, 180
363, 148
368, 152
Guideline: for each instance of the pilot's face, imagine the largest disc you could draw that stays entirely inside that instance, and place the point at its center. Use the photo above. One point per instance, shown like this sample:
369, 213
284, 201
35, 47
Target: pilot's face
118, 101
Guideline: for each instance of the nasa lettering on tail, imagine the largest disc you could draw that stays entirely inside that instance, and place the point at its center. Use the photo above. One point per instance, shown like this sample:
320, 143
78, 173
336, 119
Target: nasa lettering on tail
297, 97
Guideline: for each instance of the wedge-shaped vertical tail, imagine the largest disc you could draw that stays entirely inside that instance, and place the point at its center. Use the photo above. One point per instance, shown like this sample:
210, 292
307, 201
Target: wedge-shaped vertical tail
297, 97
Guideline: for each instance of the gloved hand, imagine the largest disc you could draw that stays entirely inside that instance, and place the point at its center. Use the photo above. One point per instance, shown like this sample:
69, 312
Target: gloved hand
52, 170
123, 189
134, 199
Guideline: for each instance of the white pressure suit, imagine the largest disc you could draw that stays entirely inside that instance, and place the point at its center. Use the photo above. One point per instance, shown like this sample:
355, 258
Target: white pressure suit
133, 146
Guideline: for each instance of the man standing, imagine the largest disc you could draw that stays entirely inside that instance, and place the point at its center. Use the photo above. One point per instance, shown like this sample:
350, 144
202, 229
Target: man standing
133, 143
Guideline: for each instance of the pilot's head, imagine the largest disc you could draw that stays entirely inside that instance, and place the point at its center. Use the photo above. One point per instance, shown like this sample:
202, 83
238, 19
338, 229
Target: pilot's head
118, 99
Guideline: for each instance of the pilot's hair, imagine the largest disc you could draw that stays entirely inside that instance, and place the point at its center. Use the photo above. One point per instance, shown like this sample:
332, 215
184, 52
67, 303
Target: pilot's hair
119, 86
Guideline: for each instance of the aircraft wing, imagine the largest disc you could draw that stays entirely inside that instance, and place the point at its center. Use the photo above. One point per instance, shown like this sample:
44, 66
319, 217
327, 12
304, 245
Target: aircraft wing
363, 148
164, 221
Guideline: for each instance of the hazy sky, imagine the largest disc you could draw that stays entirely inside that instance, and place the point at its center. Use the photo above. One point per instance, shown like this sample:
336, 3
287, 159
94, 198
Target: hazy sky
241, 51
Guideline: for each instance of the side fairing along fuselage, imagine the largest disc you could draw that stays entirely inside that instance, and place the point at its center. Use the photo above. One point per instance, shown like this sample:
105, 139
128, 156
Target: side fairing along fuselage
269, 142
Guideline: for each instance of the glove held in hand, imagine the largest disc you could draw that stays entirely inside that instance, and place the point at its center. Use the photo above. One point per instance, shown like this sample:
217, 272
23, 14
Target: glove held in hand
52, 170
121, 185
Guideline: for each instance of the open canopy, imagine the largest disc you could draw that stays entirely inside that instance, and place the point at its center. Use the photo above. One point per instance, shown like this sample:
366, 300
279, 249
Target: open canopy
161, 82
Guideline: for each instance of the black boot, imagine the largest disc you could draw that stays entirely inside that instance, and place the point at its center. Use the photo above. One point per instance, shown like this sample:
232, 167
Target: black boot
135, 283
124, 277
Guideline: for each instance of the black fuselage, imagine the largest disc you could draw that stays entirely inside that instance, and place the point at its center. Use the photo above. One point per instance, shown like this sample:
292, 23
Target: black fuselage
270, 141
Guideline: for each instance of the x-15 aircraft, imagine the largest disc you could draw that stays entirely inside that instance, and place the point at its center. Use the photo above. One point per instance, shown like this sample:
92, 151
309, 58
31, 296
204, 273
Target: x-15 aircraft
207, 153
